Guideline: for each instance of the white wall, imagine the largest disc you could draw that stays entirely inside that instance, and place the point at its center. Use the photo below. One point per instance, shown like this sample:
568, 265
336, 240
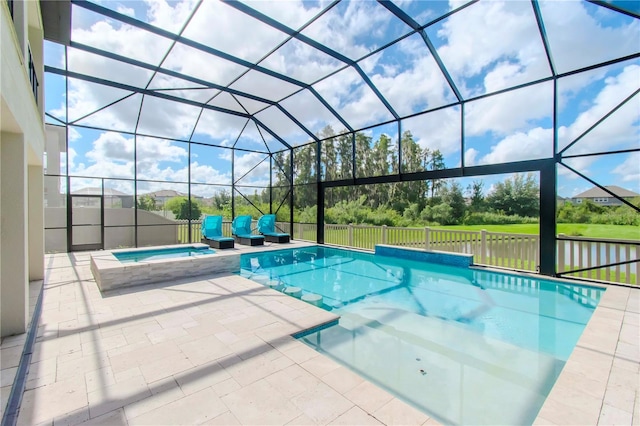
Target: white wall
120, 232
21, 152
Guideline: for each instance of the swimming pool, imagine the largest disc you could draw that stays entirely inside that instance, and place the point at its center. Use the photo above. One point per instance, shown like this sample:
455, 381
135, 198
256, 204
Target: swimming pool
162, 253
464, 345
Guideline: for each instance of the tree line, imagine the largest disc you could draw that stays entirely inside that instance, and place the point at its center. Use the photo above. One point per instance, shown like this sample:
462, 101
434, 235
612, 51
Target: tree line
415, 203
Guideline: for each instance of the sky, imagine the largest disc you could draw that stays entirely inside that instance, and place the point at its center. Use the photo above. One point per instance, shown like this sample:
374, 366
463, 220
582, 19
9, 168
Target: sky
486, 47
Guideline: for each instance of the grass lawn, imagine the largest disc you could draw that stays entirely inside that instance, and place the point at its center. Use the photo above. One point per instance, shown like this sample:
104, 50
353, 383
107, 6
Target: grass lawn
622, 232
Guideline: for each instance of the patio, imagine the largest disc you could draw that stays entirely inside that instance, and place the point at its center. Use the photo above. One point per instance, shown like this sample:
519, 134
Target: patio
217, 350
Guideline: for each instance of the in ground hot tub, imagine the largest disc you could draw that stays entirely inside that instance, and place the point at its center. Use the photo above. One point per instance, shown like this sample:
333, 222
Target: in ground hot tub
124, 268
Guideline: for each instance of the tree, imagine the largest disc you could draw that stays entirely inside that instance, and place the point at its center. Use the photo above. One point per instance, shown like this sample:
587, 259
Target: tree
147, 202
180, 208
436, 163
476, 196
452, 196
518, 195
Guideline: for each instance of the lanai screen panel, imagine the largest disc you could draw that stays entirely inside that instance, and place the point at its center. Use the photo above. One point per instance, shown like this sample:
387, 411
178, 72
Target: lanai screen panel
485, 84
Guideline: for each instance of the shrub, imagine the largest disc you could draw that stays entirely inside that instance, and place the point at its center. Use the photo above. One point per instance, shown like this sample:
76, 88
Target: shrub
491, 218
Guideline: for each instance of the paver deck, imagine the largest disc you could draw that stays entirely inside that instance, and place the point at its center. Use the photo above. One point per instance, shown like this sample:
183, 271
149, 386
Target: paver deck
218, 350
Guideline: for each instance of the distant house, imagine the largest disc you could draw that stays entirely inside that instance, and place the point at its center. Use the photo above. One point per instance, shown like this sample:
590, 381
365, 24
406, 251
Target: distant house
599, 196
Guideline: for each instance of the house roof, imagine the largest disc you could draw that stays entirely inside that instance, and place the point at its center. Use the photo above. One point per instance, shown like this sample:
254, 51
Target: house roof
598, 192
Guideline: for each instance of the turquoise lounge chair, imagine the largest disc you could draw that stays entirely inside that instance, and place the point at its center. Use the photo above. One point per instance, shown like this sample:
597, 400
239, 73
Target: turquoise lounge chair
267, 227
241, 230
212, 233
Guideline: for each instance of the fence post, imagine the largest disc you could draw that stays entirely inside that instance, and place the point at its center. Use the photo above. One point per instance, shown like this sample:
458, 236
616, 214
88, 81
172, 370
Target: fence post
384, 234
483, 246
351, 235
561, 251
427, 242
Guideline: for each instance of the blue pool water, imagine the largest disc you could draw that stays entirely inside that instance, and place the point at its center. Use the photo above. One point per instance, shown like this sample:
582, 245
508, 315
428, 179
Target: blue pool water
166, 253
466, 346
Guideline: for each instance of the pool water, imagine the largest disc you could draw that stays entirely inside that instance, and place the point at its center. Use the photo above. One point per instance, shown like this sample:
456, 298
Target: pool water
465, 346
165, 253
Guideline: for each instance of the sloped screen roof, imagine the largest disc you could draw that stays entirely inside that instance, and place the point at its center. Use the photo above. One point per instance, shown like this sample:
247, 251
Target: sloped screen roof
481, 82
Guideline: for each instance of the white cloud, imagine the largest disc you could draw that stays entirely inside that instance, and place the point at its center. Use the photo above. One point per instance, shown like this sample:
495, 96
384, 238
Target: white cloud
629, 171
534, 144
470, 156
485, 37
619, 130
509, 112
602, 41
126, 11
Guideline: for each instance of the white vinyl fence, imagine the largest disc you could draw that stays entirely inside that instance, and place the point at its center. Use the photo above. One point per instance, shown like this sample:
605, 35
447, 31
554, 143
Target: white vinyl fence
505, 250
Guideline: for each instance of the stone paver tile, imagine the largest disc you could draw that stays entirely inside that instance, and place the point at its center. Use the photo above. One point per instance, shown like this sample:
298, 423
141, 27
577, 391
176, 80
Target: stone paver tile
80, 366
116, 396
203, 329
46, 402
112, 418
163, 392
261, 403
559, 413
622, 398
142, 355
342, 379
539, 421
356, 416
249, 347
205, 350
250, 323
631, 318
227, 337
99, 378
301, 420
321, 403
11, 341
570, 381
629, 351
226, 387
201, 377
192, 409
434, 422
320, 366
224, 419
397, 412
4, 397
40, 381
621, 377
251, 370
626, 364
368, 396
43, 368
104, 344
614, 416
173, 319
299, 353
159, 368
128, 374
292, 381
7, 375
166, 334
10, 357
72, 418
